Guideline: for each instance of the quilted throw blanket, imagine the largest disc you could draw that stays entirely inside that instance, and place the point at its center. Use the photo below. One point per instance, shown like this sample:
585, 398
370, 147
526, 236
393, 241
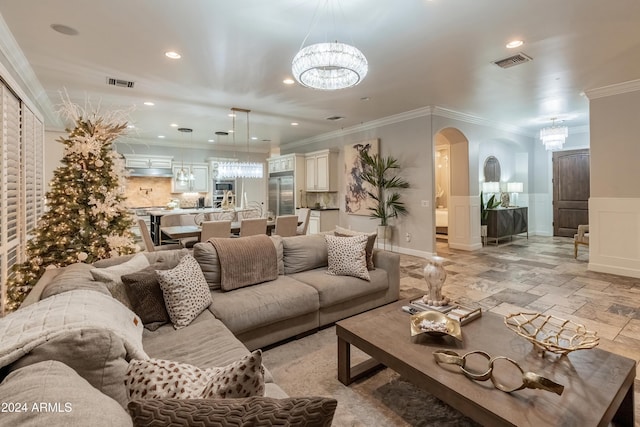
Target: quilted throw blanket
246, 261
28, 327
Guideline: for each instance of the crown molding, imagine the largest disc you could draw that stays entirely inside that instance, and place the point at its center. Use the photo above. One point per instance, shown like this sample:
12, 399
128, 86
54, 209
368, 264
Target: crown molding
396, 118
476, 120
128, 140
35, 97
614, 89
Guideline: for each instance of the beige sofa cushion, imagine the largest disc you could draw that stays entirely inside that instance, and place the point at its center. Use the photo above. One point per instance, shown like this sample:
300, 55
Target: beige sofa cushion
52, 382
73, 277
261, 305
337, 289
207, 257
303, 253
97, 355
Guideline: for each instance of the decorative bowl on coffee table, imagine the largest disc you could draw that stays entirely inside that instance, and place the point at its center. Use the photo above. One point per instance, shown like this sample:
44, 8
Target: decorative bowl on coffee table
435, 324
550, 333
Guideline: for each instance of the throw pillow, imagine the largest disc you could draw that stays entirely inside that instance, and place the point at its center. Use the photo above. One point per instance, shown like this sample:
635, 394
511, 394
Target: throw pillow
347, 256
70, 399
256, 411
159, 379
145, 295
185, 291
97, 355
112, 276
371, 241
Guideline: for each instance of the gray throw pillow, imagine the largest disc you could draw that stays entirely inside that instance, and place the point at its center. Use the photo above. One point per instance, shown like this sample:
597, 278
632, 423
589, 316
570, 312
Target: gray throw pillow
97, 355
255, 411
74, 402
145, 295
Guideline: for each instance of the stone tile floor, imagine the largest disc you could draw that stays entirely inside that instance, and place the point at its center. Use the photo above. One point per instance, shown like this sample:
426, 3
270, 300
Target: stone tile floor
540, 274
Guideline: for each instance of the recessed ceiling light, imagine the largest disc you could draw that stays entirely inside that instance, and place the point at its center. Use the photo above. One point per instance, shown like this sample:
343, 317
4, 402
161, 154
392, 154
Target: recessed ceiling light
130, 126
230, 131
210, 140
174, 125
254, 138
160, 136
294, 123
63, 29
231, 114
149, 103
288, 81
173, 55
514, 44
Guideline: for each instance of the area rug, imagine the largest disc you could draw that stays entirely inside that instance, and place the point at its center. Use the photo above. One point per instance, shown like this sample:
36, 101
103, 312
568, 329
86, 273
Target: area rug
308, 366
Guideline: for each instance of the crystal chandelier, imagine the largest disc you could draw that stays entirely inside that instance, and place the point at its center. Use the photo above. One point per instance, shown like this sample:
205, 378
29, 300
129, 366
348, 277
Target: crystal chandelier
329, 66
553, 137
232, 170
182, 177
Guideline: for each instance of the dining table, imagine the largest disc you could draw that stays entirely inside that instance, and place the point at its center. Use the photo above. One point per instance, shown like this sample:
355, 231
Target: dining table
182, 231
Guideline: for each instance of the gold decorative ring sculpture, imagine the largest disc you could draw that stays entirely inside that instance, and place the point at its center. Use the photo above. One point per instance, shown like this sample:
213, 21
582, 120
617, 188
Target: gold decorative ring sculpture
529, 379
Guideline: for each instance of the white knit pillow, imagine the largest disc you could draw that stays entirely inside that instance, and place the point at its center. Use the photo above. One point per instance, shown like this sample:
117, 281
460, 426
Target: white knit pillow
159, 379
115, 272
185, 290
347, 256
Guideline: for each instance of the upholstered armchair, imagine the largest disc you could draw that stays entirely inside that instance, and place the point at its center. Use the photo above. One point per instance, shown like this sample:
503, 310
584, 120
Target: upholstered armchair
581, 238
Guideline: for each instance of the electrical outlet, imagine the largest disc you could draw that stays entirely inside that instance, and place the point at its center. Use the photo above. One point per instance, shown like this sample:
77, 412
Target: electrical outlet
425, 203
408, 236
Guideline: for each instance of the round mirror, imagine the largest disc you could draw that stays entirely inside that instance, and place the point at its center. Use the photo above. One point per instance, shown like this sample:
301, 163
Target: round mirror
491, 169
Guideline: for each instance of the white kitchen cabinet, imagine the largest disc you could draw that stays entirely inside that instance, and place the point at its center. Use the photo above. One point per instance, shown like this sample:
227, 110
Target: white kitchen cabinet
285, 163
199, 183
144, 161
321, 171
322, 220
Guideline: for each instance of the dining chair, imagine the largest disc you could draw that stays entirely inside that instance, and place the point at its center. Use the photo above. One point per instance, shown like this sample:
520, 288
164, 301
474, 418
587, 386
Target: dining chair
215, 229
253, 226
581, 238
249, 213
220, 216
148, 242
286, 225
303, 217
179, 219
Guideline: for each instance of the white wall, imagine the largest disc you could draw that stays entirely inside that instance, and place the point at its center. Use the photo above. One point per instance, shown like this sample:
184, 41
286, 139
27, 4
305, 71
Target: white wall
614, 206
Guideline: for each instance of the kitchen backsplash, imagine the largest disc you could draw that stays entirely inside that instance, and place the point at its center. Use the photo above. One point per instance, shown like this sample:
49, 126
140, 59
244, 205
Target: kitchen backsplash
323, 200
148, 191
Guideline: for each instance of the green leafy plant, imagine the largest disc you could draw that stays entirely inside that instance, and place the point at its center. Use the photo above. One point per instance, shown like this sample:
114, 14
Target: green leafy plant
381, 174
492, 203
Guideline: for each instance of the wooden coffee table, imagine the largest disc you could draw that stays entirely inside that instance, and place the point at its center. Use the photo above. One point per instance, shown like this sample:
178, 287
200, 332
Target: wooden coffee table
598, 384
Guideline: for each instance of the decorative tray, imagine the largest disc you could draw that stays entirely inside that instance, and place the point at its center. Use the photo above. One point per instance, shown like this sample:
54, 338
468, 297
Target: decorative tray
550, 333
437, 324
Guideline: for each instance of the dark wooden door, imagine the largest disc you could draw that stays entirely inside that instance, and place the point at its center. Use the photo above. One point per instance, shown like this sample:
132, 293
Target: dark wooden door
570, 191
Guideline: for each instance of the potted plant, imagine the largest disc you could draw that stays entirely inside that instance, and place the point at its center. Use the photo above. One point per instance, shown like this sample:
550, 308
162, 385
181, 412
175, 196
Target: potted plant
492, 203
381, 174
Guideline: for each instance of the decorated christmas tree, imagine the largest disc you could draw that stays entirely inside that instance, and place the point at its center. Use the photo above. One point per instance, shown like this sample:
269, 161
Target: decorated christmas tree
85, 218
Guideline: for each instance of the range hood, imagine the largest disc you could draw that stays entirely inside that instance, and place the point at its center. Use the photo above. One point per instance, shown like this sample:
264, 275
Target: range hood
151, 172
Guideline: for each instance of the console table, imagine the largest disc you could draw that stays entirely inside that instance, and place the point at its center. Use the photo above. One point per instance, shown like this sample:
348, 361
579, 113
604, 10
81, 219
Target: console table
506, 222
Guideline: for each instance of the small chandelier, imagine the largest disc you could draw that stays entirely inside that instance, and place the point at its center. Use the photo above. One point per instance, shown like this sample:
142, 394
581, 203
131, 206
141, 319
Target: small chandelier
182, 177
553, 137
232, 170
329, 66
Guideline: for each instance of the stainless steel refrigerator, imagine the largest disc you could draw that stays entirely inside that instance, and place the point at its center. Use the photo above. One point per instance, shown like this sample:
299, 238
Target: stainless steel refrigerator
281, 193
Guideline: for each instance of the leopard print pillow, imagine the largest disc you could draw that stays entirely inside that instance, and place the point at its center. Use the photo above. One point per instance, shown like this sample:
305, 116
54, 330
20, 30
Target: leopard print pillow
185, 290
347, 256
159, 379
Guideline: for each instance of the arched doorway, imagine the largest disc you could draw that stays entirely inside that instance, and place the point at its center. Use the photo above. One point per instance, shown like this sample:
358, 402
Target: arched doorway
462, 211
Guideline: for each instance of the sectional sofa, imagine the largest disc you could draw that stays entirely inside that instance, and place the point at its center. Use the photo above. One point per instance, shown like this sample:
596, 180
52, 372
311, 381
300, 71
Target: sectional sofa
74, 361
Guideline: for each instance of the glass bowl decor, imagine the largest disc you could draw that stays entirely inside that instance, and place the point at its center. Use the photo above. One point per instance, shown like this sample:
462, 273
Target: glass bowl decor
550, 333
435, 324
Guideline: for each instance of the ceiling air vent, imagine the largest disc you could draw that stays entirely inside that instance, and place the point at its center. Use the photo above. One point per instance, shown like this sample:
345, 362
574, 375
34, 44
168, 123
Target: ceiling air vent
512, 61
335, 118
119, 82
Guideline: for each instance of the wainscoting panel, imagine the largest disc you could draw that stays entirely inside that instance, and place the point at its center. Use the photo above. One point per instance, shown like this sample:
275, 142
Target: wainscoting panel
464, 223
540, 214
614, 236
